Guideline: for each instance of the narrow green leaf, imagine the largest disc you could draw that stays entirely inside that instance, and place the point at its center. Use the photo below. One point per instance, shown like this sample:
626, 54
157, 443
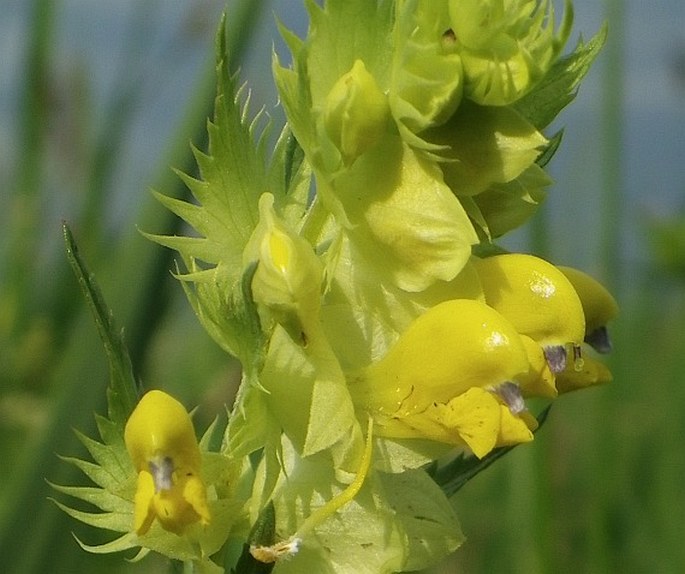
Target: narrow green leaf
122, 392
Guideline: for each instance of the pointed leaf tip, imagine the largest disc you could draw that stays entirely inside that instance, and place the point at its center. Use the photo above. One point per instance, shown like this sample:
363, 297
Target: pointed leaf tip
122, 392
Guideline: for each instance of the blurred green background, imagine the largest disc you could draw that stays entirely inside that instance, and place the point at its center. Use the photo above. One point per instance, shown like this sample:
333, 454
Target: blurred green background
99, 99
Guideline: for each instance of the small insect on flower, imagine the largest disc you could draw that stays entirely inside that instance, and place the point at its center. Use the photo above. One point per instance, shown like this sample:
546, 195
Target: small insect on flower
279, 551
161, 441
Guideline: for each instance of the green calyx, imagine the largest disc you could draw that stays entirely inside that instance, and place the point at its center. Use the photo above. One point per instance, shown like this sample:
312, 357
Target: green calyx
356, 113
506, 46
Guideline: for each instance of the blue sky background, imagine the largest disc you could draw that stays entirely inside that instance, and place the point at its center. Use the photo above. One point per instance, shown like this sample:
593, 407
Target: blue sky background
169, 47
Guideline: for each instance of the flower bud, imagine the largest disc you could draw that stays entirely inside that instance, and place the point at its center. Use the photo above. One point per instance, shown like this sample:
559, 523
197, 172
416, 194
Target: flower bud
356, 113
288, 276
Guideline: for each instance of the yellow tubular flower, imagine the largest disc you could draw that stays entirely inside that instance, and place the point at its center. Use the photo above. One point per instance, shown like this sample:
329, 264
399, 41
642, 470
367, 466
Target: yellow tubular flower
161, 441
539, 381
592, 373
599, 307
539, 301
451, 378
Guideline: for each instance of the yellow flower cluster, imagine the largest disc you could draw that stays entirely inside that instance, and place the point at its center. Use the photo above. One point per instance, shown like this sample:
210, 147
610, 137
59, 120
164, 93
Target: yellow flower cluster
461, 372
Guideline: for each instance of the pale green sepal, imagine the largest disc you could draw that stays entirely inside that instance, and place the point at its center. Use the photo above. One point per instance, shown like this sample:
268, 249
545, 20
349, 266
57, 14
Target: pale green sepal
487, 145
507, 206
243, 438
362, 537
288, 276
340, 33
364, 313
469, 204
506, 47
205, 566
426, 82
430, 524
356, 113
266, 477
142, 553
307, 393
404, 219
251, 425
398, 455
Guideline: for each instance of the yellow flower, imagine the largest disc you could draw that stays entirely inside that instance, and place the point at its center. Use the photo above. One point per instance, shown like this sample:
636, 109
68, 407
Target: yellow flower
539, 301
451, 377
599, 307
161, 441
591, 373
